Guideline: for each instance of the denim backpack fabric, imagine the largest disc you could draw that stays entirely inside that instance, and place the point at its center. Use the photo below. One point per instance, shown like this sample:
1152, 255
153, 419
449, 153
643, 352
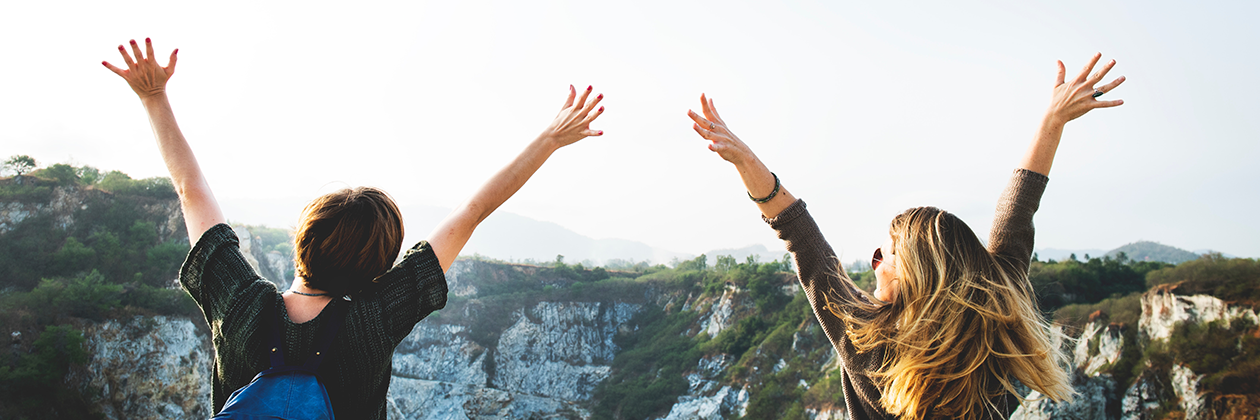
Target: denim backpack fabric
283, 391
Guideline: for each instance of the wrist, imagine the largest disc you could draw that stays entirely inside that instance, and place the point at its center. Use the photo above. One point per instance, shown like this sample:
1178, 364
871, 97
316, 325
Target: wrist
548, 143
153, 97
1053, 119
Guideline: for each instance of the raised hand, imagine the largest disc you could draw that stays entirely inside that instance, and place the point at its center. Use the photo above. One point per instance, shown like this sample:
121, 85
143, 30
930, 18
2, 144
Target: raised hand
144, 74
763, 186
712, 128
1074, 98
573, 123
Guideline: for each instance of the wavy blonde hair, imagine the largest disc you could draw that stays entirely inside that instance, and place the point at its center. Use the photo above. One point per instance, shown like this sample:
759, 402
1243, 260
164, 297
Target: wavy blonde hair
961, 326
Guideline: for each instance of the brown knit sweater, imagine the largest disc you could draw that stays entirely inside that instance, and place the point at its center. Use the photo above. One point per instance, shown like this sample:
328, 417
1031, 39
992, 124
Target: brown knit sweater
357, 371
1011, 240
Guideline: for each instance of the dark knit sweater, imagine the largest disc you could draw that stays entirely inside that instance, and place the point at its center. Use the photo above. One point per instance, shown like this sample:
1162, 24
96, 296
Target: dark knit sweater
1011, 241
357, 371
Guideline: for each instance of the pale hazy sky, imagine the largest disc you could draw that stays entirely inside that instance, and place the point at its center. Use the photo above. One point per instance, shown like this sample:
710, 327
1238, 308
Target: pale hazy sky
863, 109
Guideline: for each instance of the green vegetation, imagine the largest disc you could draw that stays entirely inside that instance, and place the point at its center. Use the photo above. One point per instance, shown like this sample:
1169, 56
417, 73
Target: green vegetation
32, 383
1070, 281
19, 164
1228, 357
108, 255
1230, 279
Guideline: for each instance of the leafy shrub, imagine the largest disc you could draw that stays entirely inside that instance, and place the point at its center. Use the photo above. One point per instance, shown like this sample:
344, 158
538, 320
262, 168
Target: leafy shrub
1230, 279
32, 384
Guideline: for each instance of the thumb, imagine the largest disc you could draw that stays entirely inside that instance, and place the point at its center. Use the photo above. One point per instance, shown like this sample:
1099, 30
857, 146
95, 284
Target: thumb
170, 67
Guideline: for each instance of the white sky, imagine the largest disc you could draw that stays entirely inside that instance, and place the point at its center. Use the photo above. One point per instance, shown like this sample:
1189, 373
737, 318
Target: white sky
863, 109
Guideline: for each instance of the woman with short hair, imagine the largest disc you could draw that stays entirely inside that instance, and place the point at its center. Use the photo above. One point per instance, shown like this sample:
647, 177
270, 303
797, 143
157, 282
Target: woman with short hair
346, 245
952, 324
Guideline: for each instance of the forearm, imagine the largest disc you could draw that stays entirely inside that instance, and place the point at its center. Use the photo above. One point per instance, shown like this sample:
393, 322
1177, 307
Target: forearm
760, 183
509, 180
201, 210
450, 236
1040, 155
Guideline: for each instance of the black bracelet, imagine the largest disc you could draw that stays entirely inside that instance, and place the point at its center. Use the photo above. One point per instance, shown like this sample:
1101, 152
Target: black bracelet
772, 193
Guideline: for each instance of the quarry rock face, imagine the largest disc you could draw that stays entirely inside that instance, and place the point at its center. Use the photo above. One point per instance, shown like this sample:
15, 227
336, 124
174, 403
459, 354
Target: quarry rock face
1162, 309
147, 368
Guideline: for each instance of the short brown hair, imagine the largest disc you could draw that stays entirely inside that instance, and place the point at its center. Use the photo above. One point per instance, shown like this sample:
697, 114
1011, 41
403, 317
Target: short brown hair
347, 238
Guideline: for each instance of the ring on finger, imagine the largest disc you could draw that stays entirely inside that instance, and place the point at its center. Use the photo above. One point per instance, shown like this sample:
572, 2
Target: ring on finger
1098, 93
710, 125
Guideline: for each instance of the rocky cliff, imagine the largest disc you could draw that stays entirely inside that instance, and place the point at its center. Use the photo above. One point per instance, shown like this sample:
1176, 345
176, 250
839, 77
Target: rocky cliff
521, 342
1165, 386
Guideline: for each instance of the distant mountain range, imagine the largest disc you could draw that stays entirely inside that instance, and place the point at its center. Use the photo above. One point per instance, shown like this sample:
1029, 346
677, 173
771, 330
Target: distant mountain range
1137, 251
512, 237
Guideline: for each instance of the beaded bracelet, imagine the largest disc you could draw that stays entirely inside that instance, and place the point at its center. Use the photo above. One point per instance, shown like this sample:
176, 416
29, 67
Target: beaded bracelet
772, 193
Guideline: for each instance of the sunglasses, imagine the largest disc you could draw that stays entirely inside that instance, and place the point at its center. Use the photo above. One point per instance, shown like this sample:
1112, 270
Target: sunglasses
877, 258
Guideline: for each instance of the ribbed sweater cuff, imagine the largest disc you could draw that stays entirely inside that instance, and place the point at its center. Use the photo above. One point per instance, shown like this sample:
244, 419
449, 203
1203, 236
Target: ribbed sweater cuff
787, 215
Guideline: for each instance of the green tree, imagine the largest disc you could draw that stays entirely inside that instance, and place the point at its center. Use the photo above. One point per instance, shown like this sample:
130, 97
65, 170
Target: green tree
19, 164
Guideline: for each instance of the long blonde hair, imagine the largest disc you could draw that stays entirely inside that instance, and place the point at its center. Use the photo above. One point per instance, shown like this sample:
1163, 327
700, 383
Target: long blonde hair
962, 325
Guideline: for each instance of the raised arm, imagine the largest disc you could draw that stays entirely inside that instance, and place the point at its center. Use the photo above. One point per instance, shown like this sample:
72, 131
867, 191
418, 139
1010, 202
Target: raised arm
148, 79
758, 180
572, 124
1012, 234
1071, 99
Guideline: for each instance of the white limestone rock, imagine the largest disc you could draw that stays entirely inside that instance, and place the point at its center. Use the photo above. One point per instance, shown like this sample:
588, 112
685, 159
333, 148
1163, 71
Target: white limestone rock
148, 367
1090, 402
1185, 384
560, 349
1109, 343
440, 353
1162, 310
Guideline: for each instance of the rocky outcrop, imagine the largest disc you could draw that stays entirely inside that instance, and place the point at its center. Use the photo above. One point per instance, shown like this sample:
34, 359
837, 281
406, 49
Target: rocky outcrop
424, 399
1098, 346
560, 349
546, 364
66, 201
720, 315
271, 265
147, 368
706, 398
1163, 308
1093, 393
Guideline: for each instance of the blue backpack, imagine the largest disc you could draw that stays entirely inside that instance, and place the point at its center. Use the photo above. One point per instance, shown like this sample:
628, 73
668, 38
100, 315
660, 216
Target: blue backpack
287, 392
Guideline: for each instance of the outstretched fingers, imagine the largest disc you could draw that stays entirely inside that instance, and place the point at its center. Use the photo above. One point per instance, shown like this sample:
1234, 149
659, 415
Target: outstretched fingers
582, 102
586, 110
1088, 67
713, 110
592, 116
126, 57
111, 67
1097, 77
1114, 83
701, 122
135, 48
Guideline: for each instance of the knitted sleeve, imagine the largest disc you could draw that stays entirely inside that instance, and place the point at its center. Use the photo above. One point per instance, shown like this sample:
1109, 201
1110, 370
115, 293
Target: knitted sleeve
215, 273
1011, 238
817, 267
410, 291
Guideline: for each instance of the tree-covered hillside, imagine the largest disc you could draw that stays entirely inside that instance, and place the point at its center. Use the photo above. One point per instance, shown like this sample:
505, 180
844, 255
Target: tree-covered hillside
77, 243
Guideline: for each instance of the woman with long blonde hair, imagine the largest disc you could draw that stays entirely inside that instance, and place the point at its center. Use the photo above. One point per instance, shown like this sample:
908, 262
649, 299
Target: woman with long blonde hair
952, 324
